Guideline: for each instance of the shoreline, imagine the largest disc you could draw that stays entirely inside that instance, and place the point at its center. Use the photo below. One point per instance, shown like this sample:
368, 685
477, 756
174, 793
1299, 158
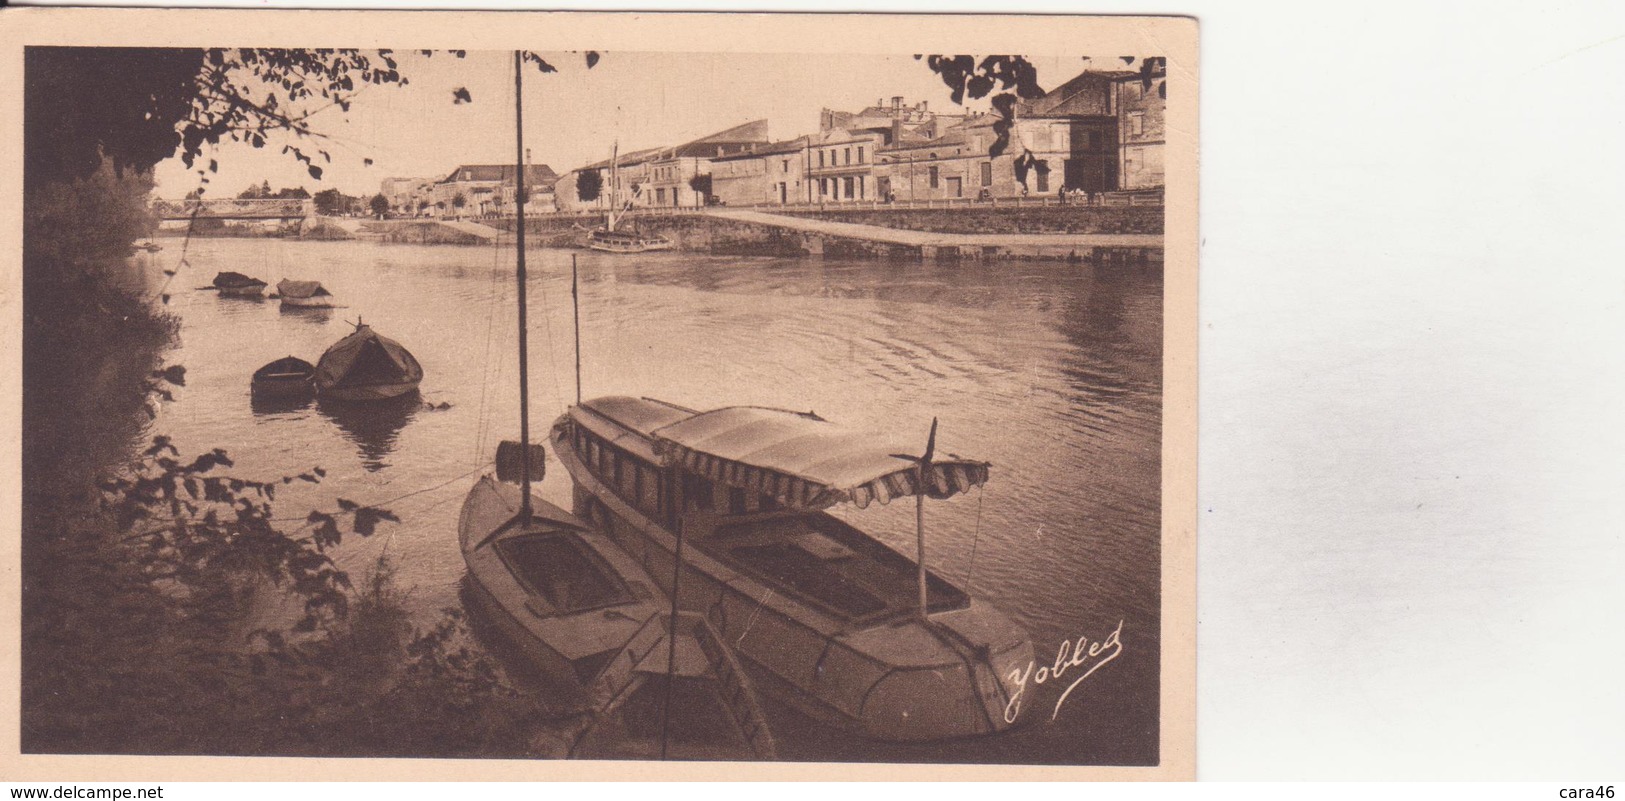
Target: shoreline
1073, 234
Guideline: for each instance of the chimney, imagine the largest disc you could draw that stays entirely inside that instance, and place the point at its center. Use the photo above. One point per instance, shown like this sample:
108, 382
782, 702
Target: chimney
897, 103
923, 107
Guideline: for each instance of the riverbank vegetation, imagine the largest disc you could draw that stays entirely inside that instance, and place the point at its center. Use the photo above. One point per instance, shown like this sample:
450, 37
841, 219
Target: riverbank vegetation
147, 573
168, 605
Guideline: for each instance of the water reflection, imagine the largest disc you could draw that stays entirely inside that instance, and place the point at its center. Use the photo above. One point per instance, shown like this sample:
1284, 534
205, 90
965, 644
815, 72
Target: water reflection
318, 315
374, 426
1050, 371
268, 405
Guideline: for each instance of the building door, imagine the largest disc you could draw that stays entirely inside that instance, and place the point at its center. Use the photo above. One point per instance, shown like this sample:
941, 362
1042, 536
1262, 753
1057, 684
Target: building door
784, 193
956, 186
1091, 173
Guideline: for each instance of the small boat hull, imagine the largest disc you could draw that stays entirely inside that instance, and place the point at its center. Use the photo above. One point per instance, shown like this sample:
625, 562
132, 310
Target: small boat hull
236, 285
288, 378
562, 594
713, 713
609, 242
304, 294
319, 302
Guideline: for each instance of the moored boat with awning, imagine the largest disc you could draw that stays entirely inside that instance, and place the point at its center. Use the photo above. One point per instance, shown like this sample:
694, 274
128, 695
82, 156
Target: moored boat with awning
834, 621
304, 294
236, 285
367, 366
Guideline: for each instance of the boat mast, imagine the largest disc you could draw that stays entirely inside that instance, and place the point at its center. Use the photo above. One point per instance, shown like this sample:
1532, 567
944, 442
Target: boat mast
614, 185
519, 199
575, 308
924, 475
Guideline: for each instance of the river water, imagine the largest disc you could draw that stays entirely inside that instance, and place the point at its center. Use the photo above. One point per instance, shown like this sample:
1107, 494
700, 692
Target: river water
1050, 371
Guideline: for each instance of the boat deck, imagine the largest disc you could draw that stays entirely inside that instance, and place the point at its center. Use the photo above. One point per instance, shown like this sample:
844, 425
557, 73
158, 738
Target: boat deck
823, 560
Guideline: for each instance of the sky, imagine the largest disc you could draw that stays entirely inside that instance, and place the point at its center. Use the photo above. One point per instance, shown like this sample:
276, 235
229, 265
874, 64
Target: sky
574, 116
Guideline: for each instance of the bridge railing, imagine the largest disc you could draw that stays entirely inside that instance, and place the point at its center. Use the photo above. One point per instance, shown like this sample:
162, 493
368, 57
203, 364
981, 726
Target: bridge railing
235, 208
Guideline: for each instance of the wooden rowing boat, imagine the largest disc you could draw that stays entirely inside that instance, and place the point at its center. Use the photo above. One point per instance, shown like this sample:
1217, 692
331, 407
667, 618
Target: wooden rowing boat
711, 714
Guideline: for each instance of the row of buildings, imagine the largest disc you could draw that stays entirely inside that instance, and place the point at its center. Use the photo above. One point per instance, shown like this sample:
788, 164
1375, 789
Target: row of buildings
1100, 131
471, 190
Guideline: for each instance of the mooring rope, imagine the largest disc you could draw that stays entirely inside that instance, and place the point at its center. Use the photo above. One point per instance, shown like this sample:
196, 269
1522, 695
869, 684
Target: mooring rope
976, 538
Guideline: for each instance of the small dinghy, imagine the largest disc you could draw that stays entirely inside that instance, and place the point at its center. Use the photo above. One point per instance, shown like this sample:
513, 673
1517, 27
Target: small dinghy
691, 701
304, 294
237, 285
288, 378
367, 366
563, 594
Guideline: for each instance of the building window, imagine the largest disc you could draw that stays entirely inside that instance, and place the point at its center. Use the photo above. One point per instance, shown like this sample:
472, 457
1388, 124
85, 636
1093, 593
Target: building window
786, 165
1136, 123
660, 196
848, 155
987, 173
1043, 180
860, 154
849, 190
933, 177
820, 158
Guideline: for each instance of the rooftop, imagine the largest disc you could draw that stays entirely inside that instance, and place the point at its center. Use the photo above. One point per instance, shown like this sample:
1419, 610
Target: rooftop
534, 173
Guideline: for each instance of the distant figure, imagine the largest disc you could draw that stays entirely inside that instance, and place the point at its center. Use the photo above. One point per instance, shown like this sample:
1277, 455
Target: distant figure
1061, 193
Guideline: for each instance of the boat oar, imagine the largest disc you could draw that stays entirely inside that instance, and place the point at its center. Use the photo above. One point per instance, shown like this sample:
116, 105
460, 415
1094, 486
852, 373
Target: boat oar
922, 474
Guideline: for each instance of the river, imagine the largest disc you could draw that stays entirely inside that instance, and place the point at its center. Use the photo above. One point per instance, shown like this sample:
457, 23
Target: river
1050, 371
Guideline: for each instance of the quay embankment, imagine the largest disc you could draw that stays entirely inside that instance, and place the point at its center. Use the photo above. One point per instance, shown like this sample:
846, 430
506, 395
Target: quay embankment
1048, 230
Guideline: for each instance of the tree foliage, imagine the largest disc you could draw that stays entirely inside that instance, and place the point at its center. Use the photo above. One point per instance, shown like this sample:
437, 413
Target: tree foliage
589, 185
330, 202
1011, 79
379, 204
702, 184
139, 106
138, 577
1014, 78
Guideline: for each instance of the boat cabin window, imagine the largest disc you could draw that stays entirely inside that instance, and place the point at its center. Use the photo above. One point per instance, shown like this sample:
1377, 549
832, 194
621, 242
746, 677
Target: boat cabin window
697, 493
634, 479
648, 489
703, 495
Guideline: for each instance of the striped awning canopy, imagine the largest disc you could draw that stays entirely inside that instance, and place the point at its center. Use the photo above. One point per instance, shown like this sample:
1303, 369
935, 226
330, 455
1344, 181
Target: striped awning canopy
805, 461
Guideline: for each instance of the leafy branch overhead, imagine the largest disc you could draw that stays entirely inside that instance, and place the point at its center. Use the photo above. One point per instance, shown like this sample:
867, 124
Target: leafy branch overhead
1011, 79
187, 521
138, 106
1014, 77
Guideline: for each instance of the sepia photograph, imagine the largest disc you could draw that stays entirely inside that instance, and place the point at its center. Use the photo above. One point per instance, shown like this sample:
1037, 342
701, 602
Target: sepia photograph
700, 388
